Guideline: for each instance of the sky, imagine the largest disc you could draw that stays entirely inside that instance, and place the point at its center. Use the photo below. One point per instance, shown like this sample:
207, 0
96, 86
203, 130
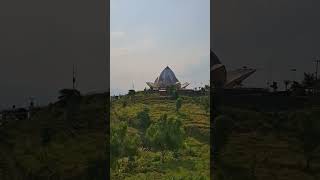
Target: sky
41, 40
270, 35
147, 35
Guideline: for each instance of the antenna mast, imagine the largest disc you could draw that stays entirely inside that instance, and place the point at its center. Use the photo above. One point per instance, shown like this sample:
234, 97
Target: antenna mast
317, 65
73, 77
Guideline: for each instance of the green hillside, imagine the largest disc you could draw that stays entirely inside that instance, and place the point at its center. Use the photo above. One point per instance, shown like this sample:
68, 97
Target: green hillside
51, 146
265, 145
191, 161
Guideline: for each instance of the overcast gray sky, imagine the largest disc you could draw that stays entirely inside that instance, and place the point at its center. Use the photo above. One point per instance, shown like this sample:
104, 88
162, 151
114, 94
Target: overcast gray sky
271, 35
39, 42
147, 36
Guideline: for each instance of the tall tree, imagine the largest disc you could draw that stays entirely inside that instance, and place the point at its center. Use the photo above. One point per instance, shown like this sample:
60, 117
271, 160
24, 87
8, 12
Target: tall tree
178, 104
144, 119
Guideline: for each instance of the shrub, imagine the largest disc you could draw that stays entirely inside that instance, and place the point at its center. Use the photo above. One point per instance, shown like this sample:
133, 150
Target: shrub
144, 119
166, 134
122, 144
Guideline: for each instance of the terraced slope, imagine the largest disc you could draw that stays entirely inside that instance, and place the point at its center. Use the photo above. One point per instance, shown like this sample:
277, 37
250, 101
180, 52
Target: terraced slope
193, 162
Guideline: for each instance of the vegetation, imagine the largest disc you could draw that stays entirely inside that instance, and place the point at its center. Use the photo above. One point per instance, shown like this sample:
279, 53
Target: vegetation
144, 119
171, 145
60, 141
122, 143
166, 135
263, 145
178, 104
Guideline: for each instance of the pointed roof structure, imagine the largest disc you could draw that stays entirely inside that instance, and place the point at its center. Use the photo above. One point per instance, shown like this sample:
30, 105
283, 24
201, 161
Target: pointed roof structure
227, 79
166, 78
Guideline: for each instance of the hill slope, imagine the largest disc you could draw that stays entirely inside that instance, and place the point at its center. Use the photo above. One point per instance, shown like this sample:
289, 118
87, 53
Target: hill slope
49, 146
193, 162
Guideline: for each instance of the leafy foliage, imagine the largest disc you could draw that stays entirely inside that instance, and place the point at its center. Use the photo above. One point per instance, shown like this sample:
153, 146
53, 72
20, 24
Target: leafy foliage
144, 119
122, 144
166, 134
191, 159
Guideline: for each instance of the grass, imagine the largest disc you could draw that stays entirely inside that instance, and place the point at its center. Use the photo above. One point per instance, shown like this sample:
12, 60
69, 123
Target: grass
193, 162
263, 146
69, 154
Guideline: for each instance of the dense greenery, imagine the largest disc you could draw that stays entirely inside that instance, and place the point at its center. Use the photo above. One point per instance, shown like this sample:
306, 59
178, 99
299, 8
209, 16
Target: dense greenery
166, 135
122, 144
173, 137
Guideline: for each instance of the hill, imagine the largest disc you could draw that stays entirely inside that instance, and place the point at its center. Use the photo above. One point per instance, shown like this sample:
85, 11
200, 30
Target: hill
269, 143
192, 161
52, 145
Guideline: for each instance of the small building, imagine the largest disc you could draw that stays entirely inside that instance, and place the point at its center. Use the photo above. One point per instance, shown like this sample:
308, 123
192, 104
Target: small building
162, 92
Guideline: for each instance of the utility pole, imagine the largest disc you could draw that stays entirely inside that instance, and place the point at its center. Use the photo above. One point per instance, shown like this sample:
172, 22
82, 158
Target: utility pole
317, 65
73, 78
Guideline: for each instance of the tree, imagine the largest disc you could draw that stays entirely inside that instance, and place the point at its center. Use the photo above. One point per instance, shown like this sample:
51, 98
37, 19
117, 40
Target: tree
178, 104
144, 119
166, 135
122, 144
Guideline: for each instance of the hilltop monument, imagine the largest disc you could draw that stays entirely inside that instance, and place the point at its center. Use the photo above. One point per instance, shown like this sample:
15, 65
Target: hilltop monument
227, 79
167, 78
